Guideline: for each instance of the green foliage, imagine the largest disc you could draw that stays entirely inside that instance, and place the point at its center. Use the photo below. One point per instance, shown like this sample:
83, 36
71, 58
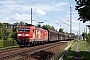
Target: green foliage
21, 23
39, 26
48, 27
66, 33
7, 33
71, 52
3, 31
83, 8
86, 36
8, 43
61, 30
14, 35
1, 43
10, 38
84, 55
87, 44
72, 34
15, 29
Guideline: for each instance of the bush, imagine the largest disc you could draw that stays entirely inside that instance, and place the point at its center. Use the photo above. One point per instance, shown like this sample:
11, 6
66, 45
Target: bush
8, 43
9, 38
1, 43
14, 35
15, 43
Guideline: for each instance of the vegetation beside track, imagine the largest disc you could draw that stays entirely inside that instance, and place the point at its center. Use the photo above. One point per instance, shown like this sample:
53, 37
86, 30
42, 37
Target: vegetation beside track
7, 43
71, 52
83, 53
87, 44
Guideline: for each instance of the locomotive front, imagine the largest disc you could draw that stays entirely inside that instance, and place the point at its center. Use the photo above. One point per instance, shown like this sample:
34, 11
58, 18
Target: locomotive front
23, 35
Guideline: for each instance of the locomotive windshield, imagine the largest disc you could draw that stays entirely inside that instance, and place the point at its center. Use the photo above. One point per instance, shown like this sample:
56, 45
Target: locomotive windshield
24, 30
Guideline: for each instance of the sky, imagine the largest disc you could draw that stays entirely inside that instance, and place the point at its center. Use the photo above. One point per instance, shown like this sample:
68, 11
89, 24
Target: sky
54, 12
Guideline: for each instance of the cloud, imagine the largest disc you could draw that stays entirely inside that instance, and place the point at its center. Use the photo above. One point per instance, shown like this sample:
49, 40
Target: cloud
40, 12
39, 9
11, 13
53, 7
17, 18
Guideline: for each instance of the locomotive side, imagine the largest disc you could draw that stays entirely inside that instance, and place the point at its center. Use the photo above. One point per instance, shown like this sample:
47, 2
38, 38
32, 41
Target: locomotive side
30, 34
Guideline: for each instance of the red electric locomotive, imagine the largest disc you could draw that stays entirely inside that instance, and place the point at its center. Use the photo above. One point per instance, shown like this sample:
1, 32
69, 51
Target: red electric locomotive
31, 34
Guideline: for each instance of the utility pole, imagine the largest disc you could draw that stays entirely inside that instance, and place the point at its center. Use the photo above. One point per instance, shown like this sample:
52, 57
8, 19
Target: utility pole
31, 15
86, 29
79, 31
70, 19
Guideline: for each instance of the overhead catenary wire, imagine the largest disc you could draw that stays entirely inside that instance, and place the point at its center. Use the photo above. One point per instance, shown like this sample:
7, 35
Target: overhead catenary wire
9, 9
27, 6
46, 14
40, 9
20, 3
64, 23
35, 5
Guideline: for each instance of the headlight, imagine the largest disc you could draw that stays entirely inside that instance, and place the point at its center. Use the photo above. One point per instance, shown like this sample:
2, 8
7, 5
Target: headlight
19, 35
27, 35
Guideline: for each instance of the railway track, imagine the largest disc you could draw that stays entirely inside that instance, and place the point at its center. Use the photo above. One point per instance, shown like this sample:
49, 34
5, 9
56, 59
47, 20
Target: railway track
9, 49
24, 53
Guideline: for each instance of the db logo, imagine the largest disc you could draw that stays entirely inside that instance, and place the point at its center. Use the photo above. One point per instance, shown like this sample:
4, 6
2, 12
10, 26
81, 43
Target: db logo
23, 34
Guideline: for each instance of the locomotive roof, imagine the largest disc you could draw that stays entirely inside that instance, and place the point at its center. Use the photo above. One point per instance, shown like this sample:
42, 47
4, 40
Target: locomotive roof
31, 26
25, 26
41, 29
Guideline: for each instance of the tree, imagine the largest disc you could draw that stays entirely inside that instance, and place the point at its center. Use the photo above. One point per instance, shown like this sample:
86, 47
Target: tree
21, 23
39, 26
72, 34
84, 35
3, 31
48, 27
66, 33
14, 35
83, 8
61, 30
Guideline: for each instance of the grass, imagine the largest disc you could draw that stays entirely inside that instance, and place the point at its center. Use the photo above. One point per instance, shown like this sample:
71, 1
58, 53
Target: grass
71, 52
84, 55
8, 47
87, 45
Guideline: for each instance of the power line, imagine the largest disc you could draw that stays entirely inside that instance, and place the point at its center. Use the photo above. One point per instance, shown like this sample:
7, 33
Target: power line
64, 23
26, 6
46, 14
40, 8
34, 4
9, 8
20, 3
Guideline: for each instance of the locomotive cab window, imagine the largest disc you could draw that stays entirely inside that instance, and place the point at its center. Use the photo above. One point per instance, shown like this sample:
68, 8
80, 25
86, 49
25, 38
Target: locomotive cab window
24, 30
27, 29
21, 30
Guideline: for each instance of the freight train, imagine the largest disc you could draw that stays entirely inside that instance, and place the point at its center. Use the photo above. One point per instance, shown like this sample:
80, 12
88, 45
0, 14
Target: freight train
30, 35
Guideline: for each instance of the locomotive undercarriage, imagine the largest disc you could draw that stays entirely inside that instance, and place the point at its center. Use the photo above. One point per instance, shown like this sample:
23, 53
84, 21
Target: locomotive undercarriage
26, 42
